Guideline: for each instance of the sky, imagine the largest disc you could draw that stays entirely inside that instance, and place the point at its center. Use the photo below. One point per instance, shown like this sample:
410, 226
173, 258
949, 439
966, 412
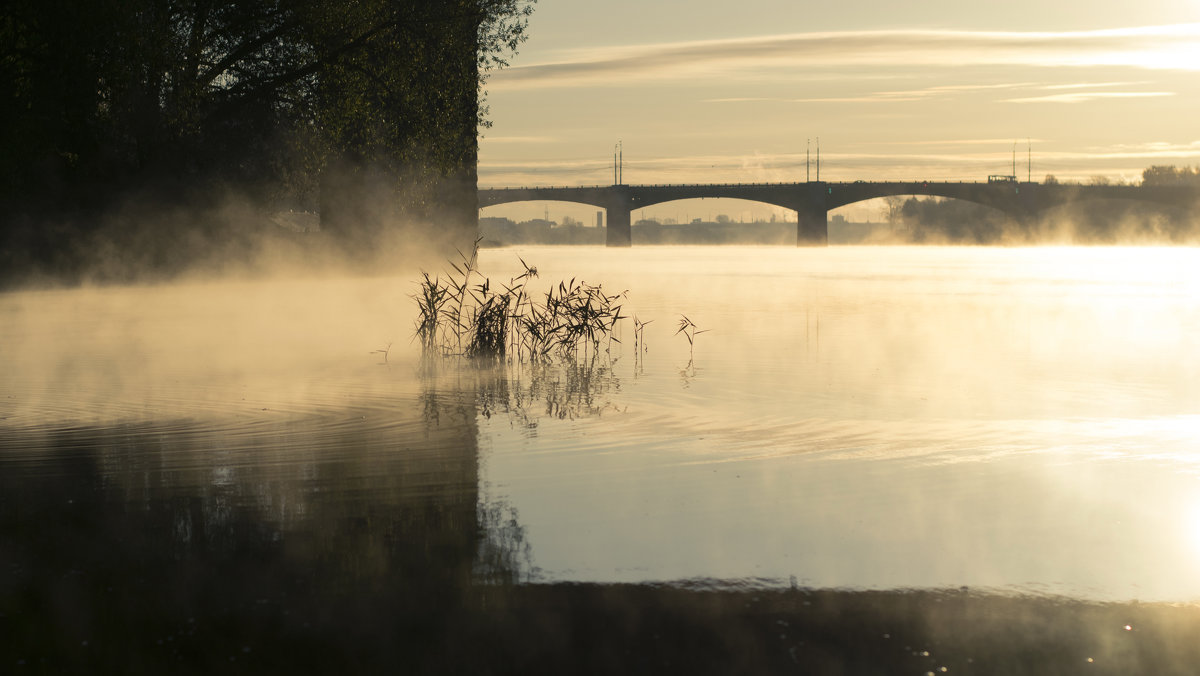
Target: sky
741, 92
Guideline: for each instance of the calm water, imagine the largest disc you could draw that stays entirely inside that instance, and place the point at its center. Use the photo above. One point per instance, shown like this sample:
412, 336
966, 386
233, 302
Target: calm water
1013, 420
879, 418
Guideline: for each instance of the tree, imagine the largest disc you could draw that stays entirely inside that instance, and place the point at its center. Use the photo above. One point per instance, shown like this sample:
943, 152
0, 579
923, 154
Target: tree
185, 99
1170, 175
402, 112
892, 206
950, 220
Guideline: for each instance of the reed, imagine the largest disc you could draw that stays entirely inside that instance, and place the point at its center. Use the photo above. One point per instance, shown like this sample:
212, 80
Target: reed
689, 330
465, 314
383, 351
431, 304
639, 335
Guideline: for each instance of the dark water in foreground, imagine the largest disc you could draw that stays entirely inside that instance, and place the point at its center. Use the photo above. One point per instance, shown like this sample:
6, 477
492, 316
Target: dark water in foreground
878, 461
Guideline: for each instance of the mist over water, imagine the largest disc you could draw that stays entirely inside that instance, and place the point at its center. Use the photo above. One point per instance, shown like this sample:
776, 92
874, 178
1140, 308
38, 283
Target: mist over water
880, 418
1015, 421
113, 353
852, 418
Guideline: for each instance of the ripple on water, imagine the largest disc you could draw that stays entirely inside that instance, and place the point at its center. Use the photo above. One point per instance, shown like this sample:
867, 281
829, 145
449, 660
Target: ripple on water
261, 424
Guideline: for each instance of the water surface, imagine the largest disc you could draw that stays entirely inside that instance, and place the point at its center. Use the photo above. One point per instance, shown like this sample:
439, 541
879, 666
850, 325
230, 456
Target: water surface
1012, 420
879, 418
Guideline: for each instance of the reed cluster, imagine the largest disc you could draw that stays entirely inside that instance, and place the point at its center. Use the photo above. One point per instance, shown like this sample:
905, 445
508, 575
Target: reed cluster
463, 313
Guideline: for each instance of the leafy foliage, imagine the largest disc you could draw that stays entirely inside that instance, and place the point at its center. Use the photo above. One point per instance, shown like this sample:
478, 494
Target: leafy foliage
183, 98
1171, 175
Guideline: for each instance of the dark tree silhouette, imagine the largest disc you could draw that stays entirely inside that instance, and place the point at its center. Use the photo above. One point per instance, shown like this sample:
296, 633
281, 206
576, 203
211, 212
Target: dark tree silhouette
179, 103
1171, 175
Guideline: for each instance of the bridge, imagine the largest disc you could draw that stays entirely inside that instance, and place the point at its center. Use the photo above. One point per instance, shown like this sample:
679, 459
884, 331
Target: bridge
812, 200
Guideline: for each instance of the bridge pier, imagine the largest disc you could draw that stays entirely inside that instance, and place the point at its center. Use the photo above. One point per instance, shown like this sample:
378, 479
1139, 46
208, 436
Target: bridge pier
618, 230
812, 218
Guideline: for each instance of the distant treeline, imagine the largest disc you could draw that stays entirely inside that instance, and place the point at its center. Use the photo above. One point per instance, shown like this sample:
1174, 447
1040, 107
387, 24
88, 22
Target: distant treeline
936, 220
505, 232
1170, 175
502, 231
137, 124
721, 232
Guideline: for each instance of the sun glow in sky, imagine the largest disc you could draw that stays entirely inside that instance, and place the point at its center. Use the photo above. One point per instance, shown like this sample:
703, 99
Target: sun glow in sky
737, 92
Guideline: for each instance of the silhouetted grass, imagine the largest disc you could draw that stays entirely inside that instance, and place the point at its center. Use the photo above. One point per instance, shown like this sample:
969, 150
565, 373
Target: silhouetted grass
463, 315
689, 330
431, 303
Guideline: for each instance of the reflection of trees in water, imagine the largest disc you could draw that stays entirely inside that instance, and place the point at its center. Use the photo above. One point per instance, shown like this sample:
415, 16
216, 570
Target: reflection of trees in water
526, 393
345, 547
454, 387
561, 390
503, 555
307, 540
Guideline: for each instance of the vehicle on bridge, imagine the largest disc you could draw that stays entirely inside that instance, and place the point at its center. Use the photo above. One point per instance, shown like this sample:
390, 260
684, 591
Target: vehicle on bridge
1002, 178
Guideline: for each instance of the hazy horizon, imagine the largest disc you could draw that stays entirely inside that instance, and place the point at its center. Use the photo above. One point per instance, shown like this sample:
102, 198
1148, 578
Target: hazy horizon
936, 91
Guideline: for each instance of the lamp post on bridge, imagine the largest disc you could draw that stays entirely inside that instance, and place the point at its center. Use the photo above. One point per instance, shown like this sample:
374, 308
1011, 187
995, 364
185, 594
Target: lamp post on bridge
618, 204
618, 163
812, 224
808, 160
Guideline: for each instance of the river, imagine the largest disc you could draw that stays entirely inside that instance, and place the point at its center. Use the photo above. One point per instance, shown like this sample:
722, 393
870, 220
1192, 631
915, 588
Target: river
1014, 422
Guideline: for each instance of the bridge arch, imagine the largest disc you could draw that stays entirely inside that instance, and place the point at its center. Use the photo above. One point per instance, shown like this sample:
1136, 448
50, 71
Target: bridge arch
1014, 199
709, 208
805, 199
557, 211
769, 198
596, 196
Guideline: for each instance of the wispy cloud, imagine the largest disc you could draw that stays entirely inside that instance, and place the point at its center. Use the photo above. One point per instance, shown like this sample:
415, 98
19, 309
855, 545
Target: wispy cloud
520, 140
878, 97
999, 142
890, 96
1156, 148
925, 94
943, 89
1082, 97
974, 164
1095, 85
1073, 94
746, 99
1172, 47
875, 97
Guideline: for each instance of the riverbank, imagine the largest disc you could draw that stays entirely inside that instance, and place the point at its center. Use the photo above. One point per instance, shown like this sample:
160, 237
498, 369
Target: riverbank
602, 629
